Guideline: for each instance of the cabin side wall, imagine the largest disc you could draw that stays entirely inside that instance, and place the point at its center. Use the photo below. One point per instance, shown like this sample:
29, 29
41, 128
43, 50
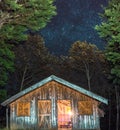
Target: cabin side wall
79, 121
53, 91
22, 122
89, 121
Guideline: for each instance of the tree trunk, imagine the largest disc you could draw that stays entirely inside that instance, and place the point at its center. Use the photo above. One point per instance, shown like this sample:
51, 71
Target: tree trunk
109, 111
23, 78
117, 107
87, 71
88, 79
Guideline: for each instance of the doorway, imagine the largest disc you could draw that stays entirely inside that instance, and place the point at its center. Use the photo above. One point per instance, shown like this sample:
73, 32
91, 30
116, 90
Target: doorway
64, 114
44, 114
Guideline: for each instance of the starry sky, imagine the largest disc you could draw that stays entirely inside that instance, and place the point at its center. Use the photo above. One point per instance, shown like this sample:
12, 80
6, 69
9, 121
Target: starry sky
75, 20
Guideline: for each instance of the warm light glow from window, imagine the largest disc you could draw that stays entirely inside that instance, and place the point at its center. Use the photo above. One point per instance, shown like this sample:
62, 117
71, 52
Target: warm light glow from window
70, 113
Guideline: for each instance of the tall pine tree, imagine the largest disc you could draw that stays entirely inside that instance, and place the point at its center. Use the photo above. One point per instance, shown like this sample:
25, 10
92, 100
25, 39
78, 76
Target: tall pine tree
17, 18
110, 31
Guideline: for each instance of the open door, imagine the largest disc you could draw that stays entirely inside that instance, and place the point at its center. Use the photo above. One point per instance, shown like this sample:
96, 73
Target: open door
64, 114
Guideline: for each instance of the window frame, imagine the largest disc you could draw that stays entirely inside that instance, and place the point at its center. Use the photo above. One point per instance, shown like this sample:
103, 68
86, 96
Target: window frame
23, 109
45, 114
85, 104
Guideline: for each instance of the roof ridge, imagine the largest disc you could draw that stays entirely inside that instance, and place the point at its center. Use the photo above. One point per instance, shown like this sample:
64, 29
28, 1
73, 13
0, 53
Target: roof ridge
59, 80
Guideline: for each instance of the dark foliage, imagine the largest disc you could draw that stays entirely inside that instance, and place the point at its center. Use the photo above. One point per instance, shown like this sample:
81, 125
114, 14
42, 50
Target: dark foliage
40, 64
34, 63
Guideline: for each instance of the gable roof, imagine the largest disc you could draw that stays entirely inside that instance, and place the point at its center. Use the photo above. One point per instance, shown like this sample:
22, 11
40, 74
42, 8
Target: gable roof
59, 80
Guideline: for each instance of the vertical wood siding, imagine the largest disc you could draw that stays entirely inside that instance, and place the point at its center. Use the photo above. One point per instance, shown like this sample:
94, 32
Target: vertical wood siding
53, 91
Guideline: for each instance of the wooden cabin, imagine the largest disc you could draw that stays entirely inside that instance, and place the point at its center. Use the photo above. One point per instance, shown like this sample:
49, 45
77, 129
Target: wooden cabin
54, 104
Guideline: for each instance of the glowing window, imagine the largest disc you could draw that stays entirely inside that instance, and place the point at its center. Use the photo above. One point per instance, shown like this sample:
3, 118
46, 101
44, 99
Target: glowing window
23, 109
85, 108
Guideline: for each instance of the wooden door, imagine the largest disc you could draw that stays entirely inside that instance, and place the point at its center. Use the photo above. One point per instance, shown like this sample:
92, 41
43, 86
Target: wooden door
64, 114
44, 114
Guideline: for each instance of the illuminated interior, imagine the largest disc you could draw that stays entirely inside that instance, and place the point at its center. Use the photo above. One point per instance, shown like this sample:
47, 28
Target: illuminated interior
64, 114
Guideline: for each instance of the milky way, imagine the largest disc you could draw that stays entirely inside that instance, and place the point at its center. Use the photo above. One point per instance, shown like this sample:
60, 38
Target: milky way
75, 20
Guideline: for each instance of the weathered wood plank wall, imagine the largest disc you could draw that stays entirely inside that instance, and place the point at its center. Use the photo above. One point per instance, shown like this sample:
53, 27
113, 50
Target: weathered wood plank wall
53, 91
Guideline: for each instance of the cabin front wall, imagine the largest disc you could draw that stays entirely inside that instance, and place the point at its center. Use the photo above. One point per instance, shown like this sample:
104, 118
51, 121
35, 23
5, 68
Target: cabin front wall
44, 115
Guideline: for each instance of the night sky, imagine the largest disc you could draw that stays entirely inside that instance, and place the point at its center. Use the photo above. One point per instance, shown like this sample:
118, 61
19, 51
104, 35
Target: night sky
75, 20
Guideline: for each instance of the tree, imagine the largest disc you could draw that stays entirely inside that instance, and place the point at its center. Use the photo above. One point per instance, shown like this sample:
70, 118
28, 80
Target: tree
86, 57
6, 65
31, 62
6, 62
109, 29
31, 14
16, 18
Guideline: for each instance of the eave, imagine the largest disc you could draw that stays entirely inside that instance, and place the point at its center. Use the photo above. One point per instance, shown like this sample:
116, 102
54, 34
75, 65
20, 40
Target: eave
59, 80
